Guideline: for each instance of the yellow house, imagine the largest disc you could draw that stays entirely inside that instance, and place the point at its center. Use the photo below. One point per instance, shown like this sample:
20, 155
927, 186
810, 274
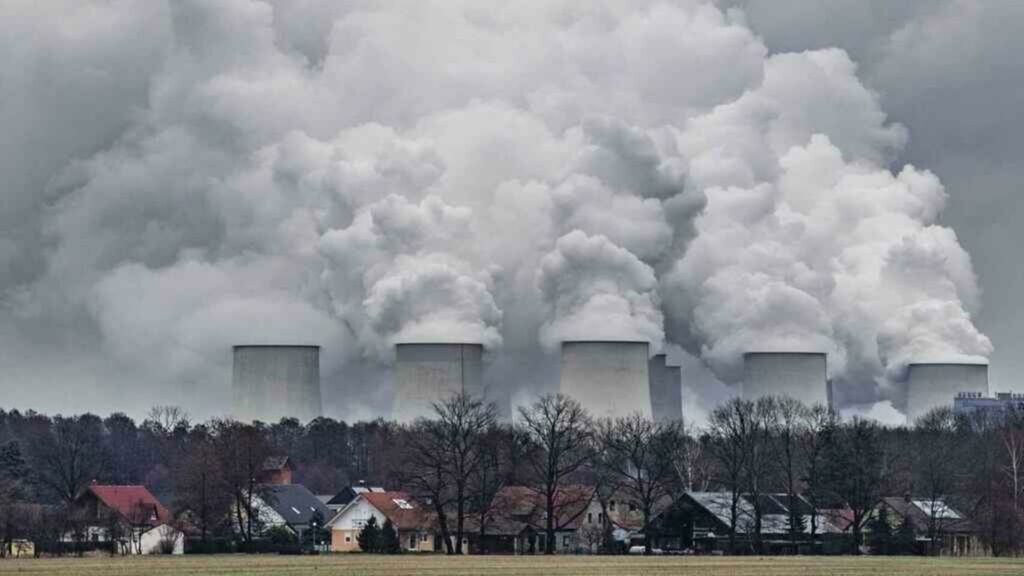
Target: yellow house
19, 548
412, 522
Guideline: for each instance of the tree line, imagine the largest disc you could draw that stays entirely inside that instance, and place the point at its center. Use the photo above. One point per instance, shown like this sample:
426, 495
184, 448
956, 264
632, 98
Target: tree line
459, 460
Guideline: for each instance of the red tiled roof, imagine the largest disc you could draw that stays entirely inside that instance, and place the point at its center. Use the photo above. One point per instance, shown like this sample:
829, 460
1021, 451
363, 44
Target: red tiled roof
411, 516
134, 503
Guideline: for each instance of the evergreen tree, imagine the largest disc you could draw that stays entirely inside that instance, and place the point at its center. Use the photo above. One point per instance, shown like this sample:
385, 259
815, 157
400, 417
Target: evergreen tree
369, 537
389, 539
281, 539
316, 534
881, 533
14, 473
905, 537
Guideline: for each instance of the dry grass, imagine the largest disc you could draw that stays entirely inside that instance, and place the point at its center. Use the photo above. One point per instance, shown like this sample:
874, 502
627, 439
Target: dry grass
355, 564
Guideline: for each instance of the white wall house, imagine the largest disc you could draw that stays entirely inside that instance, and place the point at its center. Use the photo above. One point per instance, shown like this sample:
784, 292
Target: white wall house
410, 521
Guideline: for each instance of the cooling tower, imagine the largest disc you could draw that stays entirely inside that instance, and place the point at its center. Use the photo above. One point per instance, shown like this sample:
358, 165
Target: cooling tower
936, 384
273, 382
666, 390
799, 375
610, 379
429, 373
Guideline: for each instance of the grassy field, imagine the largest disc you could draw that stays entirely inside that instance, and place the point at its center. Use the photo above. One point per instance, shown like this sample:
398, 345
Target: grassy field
351, 565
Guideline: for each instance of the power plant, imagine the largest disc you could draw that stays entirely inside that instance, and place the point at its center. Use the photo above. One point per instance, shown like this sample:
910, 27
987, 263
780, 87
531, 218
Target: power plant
799, 375
608, 378
931, 385
666, 387
429, 373
270, 382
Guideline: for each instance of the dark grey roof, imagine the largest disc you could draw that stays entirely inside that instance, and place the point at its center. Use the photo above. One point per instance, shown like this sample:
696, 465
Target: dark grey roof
349, 493
295, 503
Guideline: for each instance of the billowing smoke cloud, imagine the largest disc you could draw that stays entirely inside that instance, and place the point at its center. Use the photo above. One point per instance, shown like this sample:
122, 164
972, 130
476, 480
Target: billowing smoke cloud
395, 276
834, 256
598, 291
358, 174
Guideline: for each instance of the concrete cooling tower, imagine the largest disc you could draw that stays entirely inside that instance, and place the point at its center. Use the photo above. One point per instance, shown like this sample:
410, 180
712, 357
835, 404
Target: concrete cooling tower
610, 379
799, 375
429, 373
273, 382
666, 390
936, 384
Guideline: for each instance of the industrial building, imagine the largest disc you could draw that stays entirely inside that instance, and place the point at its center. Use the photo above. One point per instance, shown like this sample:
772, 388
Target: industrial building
666, 389
998, 405
799, 375
931, 385
270, 382
430, 373
610, 379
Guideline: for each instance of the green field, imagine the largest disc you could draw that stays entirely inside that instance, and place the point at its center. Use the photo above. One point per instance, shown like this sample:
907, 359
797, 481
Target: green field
511, 565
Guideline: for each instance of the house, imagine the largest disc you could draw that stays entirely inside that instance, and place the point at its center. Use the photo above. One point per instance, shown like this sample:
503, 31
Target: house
517, 524
938, 527
700, 521
19, 548
130, 517
21, 523
292, 506
276, 470
348, 494
413, 522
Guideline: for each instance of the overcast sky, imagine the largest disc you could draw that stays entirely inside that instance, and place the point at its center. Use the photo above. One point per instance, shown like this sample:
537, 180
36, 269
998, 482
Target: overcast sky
708, 176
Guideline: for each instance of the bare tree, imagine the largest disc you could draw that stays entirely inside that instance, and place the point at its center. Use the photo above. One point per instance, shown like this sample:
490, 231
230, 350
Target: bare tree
853, 470
937, 471
168, 418
761, 459
818, 425
425, 471
69, 455
241, 450
197, 481
463, 422
730, 427
641, 456
1012, 438
789, 429
489, 478
561, 436
693, 467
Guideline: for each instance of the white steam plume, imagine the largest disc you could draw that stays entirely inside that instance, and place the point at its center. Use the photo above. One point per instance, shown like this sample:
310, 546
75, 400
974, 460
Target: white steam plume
597, 291
183, 176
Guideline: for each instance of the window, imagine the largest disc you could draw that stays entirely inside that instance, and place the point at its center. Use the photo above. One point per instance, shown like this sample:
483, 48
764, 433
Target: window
348, 539
412, 541
590, 517
611, 505
633, 507
403, 504
600, 517
565, 541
